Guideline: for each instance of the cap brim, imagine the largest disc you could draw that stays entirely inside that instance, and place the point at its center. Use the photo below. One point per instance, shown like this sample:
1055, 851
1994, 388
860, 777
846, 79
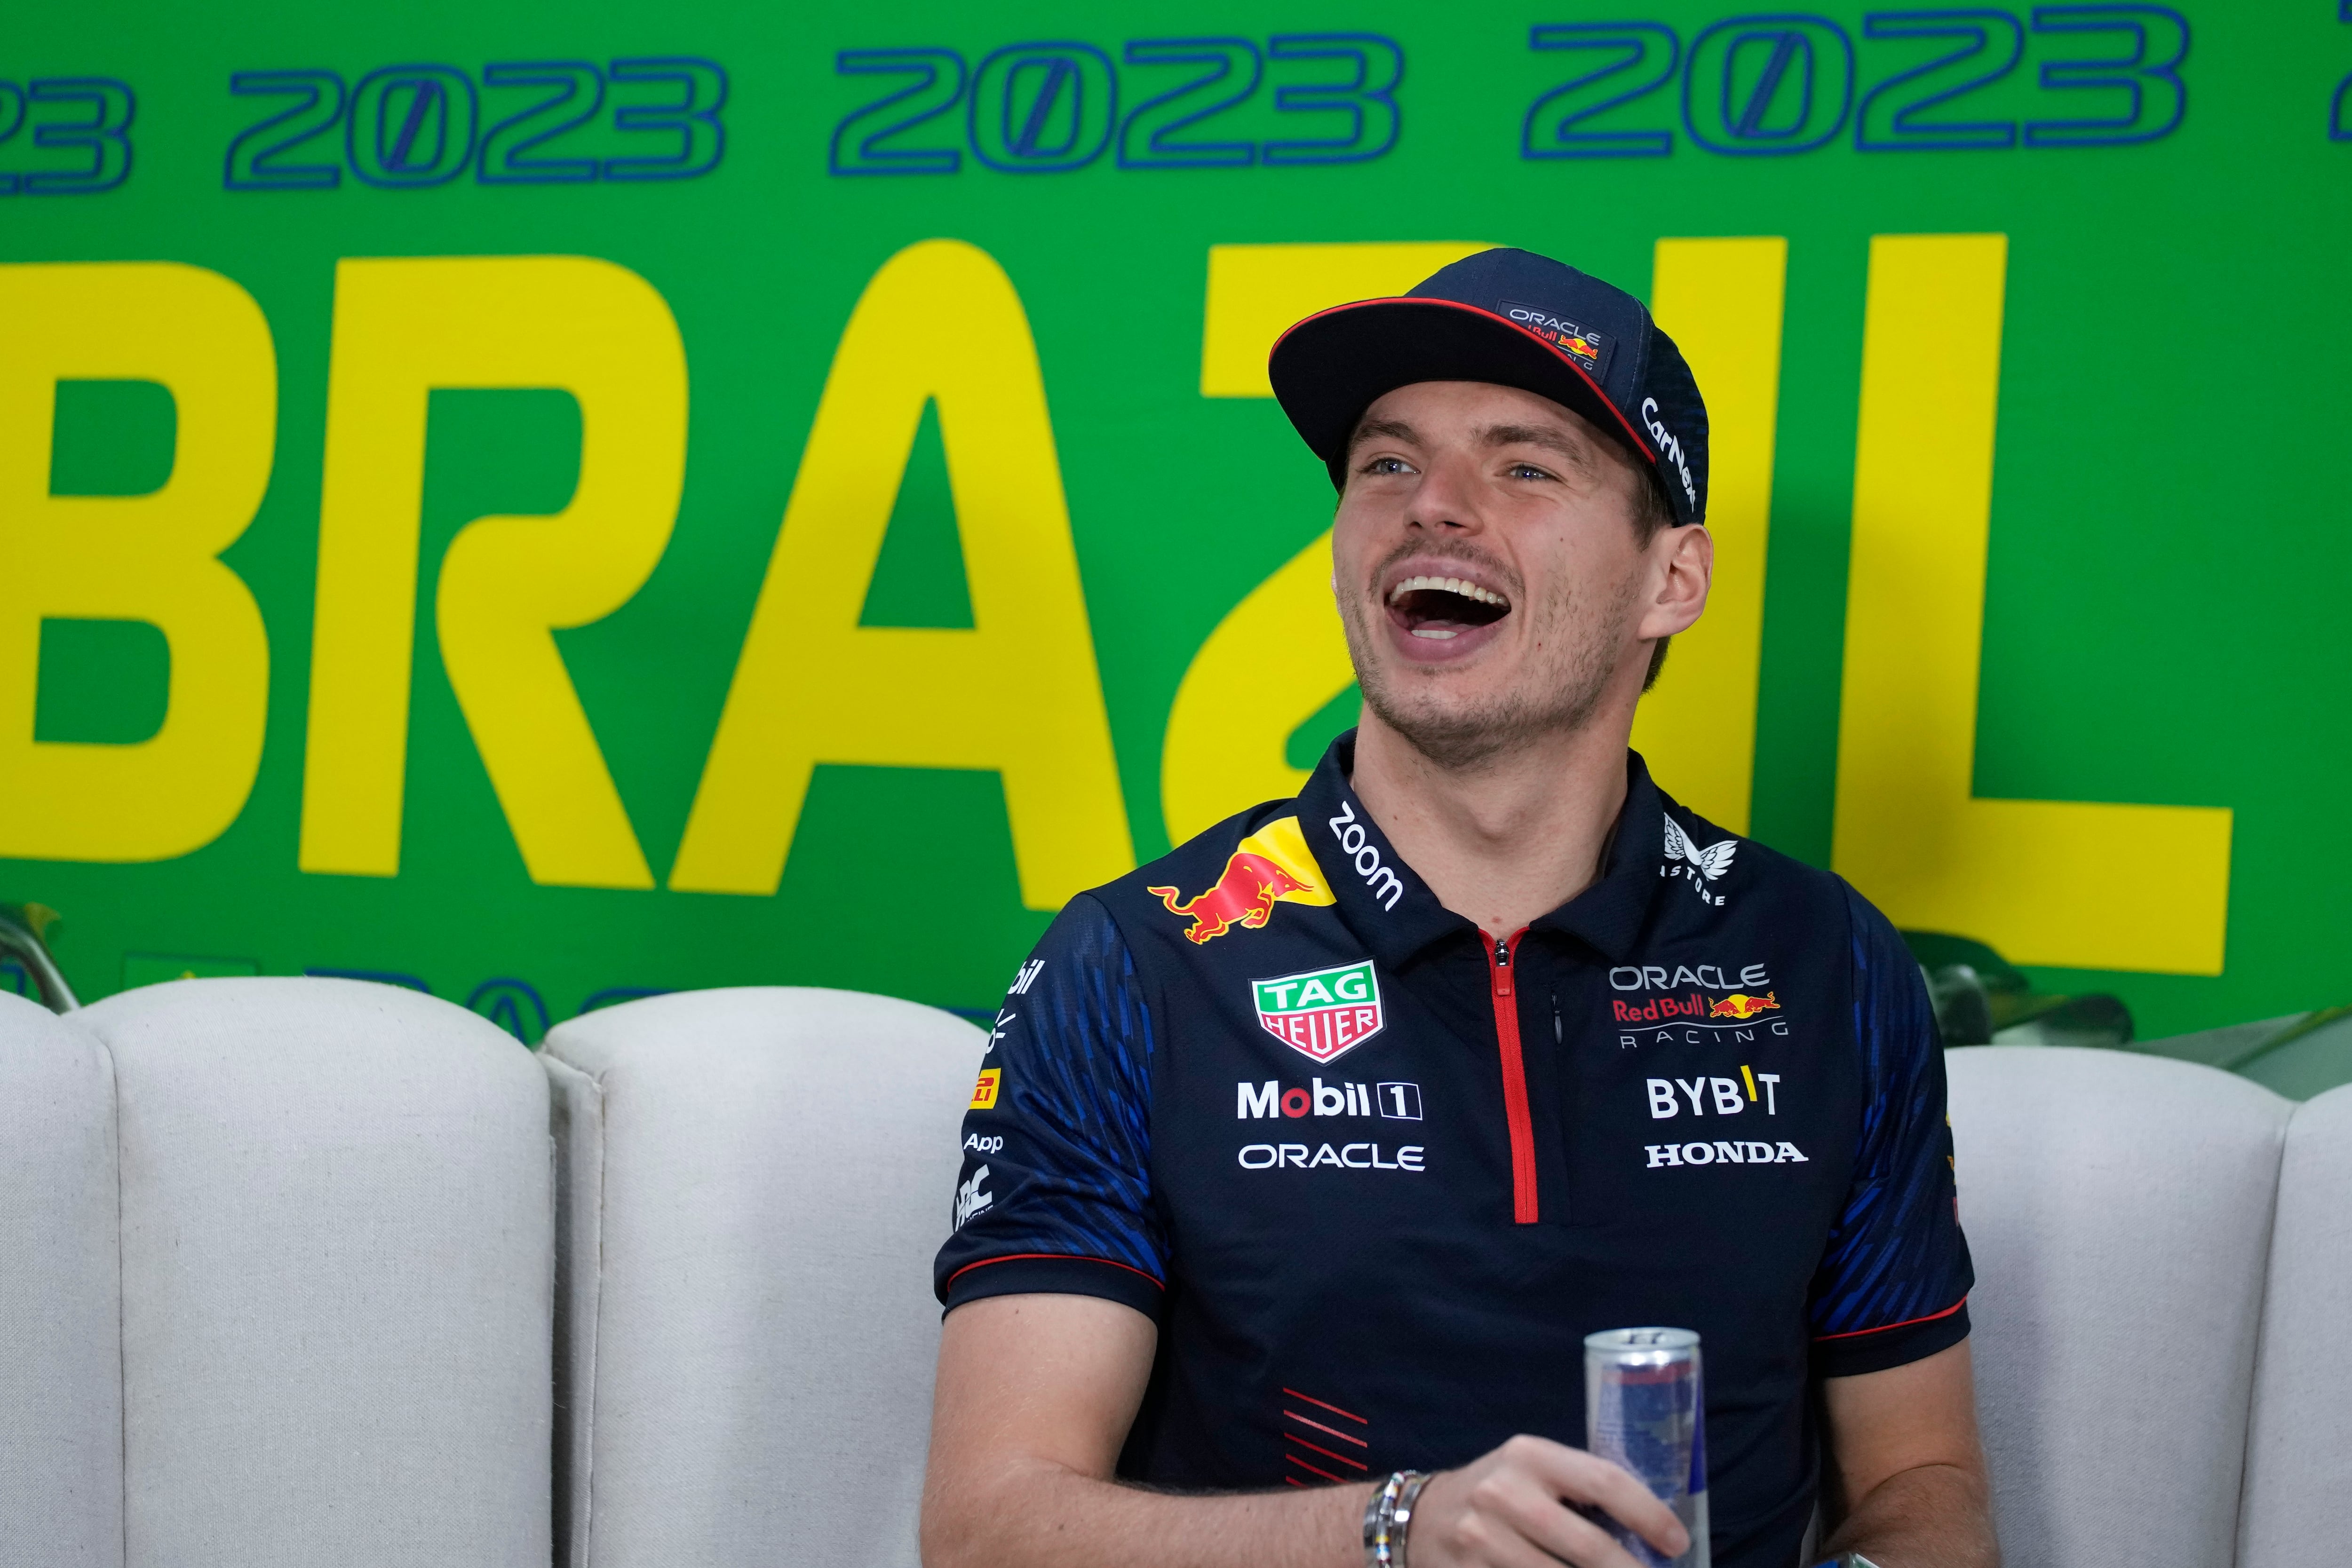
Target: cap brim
1331, 367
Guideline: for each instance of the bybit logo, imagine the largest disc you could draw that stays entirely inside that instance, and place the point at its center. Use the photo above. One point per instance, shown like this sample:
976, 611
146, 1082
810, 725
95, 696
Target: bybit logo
1723, 1091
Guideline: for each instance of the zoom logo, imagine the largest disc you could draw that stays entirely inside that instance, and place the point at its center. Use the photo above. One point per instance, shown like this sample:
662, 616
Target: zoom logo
1365, 856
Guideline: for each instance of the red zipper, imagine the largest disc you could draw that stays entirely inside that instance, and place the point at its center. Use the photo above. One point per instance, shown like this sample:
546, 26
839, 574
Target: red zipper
1514, 1076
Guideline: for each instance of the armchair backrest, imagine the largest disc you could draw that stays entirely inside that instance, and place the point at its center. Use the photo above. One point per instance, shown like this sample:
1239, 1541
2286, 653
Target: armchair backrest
755, 1183
2118, 1209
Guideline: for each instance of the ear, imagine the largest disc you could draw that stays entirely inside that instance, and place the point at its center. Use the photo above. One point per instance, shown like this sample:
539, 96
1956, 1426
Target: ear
1682, 568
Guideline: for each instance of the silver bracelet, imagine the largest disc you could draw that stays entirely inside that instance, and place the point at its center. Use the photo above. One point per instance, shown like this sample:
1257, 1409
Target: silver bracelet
1402, 1516
1387, 1516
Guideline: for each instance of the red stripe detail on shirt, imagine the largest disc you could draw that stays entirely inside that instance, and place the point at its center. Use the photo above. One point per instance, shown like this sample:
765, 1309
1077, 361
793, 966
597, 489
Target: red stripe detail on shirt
1057, 1257
1327, 1405
1499, 954
1320, 1427
1327, 1453
1303, 1465
1907, 1322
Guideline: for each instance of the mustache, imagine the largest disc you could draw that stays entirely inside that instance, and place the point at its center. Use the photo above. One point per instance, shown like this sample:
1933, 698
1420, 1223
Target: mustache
1514, 587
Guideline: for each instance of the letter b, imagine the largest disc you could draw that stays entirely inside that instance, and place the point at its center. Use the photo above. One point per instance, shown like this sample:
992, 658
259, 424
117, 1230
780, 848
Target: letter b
152, 557
1328, 1102
1662, 1100
1728, 1102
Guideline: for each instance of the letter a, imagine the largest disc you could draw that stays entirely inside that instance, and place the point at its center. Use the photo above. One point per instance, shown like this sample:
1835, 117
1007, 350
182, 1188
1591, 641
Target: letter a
1018, 693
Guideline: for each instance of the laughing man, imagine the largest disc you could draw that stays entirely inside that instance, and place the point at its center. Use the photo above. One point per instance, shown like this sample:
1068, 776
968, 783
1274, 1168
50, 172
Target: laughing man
1313, 1151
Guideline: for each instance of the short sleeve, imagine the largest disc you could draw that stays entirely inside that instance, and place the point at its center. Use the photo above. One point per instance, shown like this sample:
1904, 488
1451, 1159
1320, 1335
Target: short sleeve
1893, 1286
1055, 1195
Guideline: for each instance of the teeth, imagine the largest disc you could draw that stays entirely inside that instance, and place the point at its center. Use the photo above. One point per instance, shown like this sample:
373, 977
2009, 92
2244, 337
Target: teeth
1436, 633
1467, 589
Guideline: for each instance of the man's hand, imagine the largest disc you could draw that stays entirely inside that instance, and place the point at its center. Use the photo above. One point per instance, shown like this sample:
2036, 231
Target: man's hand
1035, 1395
1506, 1510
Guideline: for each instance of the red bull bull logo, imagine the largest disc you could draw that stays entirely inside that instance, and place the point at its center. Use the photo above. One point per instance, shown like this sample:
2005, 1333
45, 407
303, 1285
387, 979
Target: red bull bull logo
1740, 1005
1271, 866
1243, 896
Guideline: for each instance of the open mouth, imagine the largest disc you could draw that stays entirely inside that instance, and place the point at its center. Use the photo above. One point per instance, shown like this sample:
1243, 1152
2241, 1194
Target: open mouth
1440, 609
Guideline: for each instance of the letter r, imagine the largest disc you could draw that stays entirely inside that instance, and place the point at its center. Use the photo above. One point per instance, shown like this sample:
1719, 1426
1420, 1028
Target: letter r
403, 328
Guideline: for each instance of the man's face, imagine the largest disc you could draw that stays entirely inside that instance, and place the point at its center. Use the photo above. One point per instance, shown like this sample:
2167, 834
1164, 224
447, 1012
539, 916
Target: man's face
1486, 566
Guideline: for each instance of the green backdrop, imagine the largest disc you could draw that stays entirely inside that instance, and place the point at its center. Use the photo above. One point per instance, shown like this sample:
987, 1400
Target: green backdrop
2168, 539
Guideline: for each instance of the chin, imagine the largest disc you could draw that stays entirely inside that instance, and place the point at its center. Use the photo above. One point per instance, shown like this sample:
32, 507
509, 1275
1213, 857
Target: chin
1453, 728
1458, 721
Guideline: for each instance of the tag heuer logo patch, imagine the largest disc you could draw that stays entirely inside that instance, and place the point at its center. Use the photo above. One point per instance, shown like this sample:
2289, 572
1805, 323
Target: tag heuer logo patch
1323, 1013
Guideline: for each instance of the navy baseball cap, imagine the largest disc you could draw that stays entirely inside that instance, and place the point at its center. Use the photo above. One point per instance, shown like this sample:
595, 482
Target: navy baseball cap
1516, 320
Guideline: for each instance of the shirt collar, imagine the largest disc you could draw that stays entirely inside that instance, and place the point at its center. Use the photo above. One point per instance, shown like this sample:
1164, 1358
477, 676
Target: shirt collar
1395, 914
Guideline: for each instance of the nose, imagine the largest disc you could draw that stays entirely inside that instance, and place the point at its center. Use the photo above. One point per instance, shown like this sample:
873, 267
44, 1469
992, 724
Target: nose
1445, 501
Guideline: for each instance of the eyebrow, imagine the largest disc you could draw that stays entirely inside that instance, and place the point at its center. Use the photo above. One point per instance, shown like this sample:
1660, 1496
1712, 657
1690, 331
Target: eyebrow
1375, 429
1549, 439
1494, 436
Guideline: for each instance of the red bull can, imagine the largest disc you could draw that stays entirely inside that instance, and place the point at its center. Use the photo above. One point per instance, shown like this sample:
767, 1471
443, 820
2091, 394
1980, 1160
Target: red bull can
1645, 1409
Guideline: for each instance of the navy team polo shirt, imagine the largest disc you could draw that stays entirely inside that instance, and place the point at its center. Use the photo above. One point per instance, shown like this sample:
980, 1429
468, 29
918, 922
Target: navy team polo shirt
1375, 1175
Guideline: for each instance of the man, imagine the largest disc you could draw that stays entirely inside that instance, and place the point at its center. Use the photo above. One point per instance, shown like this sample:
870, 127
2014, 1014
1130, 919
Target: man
1308, 1154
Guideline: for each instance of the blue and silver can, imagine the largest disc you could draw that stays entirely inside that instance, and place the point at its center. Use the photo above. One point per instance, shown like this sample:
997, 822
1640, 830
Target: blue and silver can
1645, 1408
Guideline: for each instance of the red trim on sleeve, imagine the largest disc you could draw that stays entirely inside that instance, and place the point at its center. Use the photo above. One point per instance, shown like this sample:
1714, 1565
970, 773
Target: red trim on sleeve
1057, 1257
1907, 1322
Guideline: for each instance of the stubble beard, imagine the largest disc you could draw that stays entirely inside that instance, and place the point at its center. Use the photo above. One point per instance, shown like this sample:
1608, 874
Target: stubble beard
1580, 633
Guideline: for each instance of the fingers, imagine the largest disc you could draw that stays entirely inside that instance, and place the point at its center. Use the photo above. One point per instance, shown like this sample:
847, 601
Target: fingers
1491, 1515
1580, 1477
1540, 1533
1506, 1511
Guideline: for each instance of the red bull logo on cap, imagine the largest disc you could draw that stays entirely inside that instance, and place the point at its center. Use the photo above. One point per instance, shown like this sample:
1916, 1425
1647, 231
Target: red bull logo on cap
1587, 348
1271, 866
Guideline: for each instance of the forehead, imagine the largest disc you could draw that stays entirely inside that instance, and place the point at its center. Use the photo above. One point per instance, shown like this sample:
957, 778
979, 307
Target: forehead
1441, 410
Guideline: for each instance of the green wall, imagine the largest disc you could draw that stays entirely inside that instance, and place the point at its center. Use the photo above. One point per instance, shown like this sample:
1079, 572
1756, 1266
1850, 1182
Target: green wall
2168, 539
